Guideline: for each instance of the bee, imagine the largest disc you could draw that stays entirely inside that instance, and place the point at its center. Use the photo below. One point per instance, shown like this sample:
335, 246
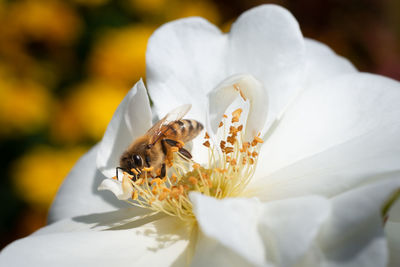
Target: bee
152, 149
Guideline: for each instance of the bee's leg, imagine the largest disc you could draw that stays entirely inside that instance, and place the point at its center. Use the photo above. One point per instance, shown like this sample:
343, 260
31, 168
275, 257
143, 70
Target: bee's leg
163, 171
171, 142
185, 153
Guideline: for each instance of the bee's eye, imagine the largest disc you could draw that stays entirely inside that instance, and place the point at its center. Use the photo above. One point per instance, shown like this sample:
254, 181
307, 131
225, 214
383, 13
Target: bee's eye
137, 160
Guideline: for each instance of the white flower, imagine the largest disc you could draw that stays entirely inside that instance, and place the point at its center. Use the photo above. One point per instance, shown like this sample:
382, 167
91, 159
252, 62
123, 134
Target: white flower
328, 165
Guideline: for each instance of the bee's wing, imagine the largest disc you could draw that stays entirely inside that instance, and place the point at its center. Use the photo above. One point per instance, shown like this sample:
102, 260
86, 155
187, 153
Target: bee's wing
157, 130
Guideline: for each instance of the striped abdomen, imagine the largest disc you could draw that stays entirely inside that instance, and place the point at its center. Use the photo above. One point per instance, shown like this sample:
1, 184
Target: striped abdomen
184, 130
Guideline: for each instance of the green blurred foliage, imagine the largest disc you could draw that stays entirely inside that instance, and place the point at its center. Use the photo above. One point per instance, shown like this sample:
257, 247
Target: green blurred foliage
62, 60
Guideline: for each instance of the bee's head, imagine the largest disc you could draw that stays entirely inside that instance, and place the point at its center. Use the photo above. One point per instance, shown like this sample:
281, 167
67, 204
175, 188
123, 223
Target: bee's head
130, 162
136, 161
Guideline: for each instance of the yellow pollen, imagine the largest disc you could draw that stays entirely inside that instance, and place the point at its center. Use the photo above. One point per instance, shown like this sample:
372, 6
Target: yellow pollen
196, 166
221, 124
258, 140
206, 144
222, 144
162, 196
134, 171
148, 169
139, 181
174, 149
220, 170
180, 144
236, 115
206, 136
193, 180
157, 181
237, 88
229, 150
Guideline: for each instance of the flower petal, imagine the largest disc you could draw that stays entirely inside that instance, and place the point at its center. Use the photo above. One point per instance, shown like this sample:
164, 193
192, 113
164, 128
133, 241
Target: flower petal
78, 194
354, 234
122, 218
364, 159
131, 119
210, 252
160, 243
329, 114
247, 87
394, 209
323, 63
122, 190
184, 62
392, 230
266, 42
289, 227
233, 223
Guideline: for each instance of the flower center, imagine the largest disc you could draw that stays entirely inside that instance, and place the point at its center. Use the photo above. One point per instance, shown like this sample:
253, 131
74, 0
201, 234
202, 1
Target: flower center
231, 165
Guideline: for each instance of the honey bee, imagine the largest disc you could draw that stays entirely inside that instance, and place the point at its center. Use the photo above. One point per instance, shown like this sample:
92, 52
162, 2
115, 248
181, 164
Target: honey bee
151, 149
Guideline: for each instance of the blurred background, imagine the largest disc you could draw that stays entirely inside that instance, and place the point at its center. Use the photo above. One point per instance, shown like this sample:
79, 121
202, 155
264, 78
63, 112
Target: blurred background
66, 64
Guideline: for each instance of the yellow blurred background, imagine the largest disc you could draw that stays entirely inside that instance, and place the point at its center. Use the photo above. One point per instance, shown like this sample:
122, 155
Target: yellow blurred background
66, 64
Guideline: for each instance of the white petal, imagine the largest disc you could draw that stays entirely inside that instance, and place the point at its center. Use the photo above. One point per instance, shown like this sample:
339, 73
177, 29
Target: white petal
289, 227
184, 62
323, 63
78, 194
329, 114
123, 218
354, 234
210, 252
160, 243
131, 119
233, 223
364, 159
122, 190
394, 211
224, 95
266, 42
392, 230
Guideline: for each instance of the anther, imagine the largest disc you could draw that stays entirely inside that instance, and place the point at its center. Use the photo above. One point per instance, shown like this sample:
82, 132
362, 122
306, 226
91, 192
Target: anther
148, 169
206, 144
193, 180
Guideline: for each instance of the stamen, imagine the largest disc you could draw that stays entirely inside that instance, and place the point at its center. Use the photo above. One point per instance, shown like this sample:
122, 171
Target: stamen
236, 115
148, 169
230, 167
206, 144
237, 88
134, 171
